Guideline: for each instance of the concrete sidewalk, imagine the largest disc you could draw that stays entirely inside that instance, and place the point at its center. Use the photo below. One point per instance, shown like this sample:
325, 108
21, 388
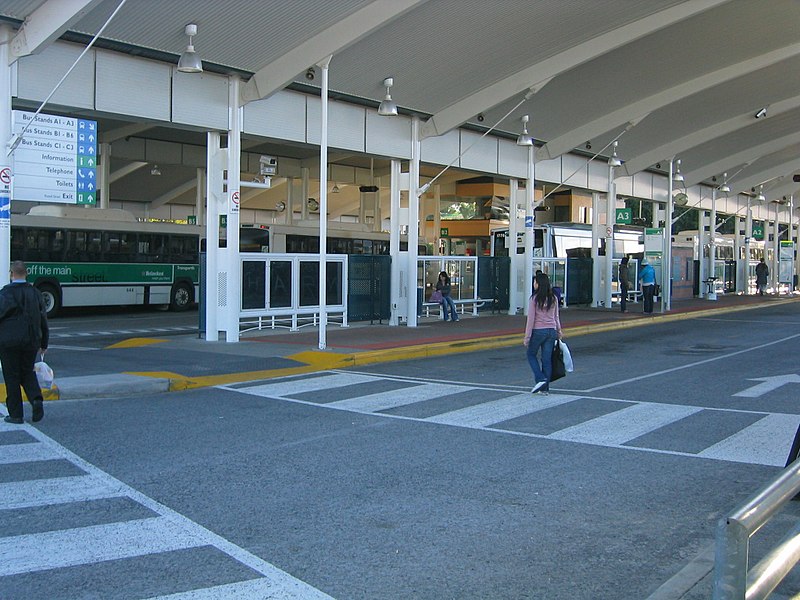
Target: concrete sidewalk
152, 365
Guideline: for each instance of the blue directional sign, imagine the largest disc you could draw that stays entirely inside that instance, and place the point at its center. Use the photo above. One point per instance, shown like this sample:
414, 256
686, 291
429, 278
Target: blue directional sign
56, 160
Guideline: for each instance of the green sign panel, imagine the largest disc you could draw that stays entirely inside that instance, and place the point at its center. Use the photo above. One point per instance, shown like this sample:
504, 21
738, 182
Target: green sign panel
444, 232
223, 220
191, 219
93, 273
758, 232
624, 216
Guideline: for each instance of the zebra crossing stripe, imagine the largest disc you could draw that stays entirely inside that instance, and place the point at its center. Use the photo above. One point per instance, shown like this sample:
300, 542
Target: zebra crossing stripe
395, 398
18, 453
313, 384
59, 490
96, 543
498, 411
618, 427
765, 442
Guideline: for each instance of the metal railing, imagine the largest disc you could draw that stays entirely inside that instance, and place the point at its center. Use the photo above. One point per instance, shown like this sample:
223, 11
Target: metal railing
732, 579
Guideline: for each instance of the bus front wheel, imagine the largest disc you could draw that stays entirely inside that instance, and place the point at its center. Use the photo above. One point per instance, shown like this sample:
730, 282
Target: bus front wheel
52, 299
181, 297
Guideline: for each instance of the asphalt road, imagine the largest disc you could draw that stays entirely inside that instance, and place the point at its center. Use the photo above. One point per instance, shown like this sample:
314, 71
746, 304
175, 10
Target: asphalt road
431, 479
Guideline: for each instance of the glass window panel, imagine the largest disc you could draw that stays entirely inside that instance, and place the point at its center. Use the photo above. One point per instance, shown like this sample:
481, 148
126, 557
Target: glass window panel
309, 283
254, 284
280, 283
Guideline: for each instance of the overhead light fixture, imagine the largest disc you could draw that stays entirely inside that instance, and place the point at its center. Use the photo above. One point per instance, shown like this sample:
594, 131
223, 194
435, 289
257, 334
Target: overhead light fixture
761, 113
725, 188
335, 189
678, 177
387, 107
155, 170
189, 62
312, 204
761, 197
614, 161
280, 206
524, 138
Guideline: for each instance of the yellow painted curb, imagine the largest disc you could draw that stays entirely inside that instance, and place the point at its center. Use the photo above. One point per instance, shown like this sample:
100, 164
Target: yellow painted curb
51, 394
316, 360
136, 343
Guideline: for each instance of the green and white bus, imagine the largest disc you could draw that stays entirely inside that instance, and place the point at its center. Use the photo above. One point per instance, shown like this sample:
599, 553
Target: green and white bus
104, 257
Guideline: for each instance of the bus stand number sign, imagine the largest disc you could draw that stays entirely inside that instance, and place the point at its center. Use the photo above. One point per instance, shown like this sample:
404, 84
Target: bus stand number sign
624, 216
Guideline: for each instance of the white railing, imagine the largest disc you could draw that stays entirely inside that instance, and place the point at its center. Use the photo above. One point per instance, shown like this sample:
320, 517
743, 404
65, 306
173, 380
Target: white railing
282, 290
732, 579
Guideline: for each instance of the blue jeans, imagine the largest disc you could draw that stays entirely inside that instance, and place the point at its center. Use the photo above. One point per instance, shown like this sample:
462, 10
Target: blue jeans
544, 339
447, 302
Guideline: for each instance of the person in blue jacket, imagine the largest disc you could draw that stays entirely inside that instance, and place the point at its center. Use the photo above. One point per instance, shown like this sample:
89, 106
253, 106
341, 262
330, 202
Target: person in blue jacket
647, 277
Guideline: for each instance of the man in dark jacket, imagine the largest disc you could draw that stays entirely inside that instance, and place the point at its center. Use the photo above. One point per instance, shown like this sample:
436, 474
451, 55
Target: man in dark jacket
23, 333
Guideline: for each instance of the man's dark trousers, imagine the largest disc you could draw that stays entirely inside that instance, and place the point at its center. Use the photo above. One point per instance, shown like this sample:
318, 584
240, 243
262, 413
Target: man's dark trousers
18, 370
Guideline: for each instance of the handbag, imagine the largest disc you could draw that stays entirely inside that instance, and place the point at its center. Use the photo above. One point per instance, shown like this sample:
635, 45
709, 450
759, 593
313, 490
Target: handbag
437, 297
559, 370
656, 290
568, 364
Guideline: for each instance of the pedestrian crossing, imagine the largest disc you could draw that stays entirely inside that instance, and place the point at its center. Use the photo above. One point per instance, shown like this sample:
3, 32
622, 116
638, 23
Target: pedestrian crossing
731, 435
72, 526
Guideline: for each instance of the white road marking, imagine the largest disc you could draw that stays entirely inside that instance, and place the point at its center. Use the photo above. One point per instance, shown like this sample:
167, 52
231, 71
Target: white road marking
263, 589
768, 384
765, 442
96, 543
17, 453
313, 384
59, 490
498, 411
395, 398
621, 426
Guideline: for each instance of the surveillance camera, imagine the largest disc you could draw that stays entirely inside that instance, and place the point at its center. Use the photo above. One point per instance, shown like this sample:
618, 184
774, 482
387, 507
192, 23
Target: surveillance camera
481, 118
658, 165
310, 74
761, 113
588, 145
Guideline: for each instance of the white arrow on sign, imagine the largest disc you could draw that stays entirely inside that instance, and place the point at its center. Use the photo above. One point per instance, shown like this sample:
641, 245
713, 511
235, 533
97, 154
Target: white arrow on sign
769, 384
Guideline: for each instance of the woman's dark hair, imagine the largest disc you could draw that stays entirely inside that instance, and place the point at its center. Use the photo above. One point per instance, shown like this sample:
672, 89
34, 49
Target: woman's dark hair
544, 292
446, 277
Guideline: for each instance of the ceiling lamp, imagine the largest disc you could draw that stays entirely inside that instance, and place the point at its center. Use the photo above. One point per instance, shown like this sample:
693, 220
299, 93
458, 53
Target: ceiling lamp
387, 107
614, 161
335, 189
189, 62
678, 176
524, 138
155, 170
725, 188
761, 197
312, 204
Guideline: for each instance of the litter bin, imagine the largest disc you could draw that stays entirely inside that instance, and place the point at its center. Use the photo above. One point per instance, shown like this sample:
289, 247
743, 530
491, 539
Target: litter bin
711, 288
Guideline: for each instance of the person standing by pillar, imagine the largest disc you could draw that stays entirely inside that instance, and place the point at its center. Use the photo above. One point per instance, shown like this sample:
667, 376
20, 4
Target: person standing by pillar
624, 284
762, 272
647, 277
24, 332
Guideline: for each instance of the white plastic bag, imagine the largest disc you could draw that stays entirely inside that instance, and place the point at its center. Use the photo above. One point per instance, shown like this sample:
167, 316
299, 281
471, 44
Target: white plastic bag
567, 356
44, 374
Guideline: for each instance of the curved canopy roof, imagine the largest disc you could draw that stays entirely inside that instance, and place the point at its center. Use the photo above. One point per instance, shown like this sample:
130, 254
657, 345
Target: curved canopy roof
668, 78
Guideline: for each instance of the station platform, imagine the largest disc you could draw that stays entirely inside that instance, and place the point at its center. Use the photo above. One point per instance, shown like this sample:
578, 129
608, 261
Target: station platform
145, 365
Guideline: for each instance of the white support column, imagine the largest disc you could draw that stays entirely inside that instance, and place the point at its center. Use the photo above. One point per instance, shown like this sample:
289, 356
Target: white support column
702, 260
712, 240
5, 159
233, 199
611, 206
776, 250
666, 270
215, 194
792, 238
394, 239
199, 200
597, 268
437, 218
513, 228
748, 235
304, 173
104, 175
323, 206
413, 222
530, 217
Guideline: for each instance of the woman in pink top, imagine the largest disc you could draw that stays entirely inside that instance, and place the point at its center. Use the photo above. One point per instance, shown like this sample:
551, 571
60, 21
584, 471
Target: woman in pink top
542, 330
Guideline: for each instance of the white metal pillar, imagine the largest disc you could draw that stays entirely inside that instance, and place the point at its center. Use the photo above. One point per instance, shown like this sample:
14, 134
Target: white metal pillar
394, 239
199, 200
215, 164
232, 264
703, 261
530, 221
437, 219
611, 205
513, 228
712, 240
597, 268
776, 249
323, 206
5, 161
666, 270
748, 234
104, 175
305, 175
413, 222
